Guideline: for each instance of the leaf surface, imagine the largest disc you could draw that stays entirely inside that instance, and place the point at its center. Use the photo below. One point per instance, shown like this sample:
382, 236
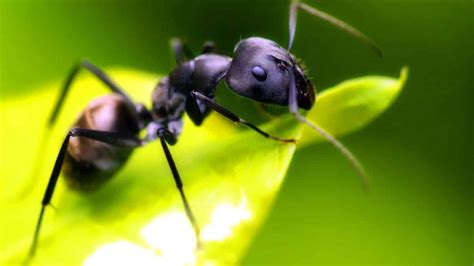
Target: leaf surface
231, 176
353, 104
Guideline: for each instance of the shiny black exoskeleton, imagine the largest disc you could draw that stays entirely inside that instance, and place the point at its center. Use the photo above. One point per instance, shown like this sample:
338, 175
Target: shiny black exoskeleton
108, 130
260, 70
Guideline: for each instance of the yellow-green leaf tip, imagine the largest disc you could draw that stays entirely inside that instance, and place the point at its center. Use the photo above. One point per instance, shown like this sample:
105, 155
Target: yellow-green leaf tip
353, 104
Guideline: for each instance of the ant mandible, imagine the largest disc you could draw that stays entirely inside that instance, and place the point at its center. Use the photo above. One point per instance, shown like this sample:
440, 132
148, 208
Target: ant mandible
107, 132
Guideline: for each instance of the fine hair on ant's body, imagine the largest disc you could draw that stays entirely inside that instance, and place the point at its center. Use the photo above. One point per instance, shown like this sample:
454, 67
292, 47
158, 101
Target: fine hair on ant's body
107, 132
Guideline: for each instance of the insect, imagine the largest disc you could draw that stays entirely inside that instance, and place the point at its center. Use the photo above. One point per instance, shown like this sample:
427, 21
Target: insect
108, 130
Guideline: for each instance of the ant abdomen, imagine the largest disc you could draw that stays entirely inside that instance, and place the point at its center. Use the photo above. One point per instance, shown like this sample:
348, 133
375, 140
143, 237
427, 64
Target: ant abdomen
89, 163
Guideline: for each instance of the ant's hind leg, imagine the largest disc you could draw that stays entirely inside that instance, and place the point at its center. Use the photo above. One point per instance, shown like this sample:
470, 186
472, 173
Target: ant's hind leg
228, 114
67, 84
112, 138
60, 101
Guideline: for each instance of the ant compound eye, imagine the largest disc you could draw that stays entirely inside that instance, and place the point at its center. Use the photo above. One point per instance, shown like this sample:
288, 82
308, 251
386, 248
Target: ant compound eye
259, 73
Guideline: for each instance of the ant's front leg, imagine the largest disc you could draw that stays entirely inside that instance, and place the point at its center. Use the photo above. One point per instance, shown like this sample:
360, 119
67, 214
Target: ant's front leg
228, 114
197, 110
112, 138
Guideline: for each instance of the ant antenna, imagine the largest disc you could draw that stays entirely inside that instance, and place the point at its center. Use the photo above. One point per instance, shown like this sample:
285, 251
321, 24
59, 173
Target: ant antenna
293, 105
295, 4
343, 149
292, 22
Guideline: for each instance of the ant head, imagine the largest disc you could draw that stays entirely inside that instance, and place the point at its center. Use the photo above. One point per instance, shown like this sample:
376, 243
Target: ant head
260, 70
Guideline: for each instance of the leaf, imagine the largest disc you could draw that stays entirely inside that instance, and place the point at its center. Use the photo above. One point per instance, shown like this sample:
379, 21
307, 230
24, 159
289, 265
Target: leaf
231, 177
353, 104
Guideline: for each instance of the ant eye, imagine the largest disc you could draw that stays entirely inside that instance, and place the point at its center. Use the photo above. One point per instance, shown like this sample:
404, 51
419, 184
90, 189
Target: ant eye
259, 73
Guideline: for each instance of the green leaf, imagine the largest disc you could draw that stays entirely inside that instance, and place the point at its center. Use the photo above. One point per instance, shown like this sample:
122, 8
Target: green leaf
353, 104
231, 177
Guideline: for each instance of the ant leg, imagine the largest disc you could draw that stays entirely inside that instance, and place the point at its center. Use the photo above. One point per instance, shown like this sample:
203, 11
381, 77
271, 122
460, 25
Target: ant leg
167, 136
228, 114
197, 111
67, 84
180, 50
60, 101
208, 47
112, 138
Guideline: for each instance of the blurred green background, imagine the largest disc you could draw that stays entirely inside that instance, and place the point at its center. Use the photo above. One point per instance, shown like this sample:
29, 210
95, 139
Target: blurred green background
418, 154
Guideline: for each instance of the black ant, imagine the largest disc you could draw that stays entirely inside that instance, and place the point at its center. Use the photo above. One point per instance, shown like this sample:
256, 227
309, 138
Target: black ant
107, 132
